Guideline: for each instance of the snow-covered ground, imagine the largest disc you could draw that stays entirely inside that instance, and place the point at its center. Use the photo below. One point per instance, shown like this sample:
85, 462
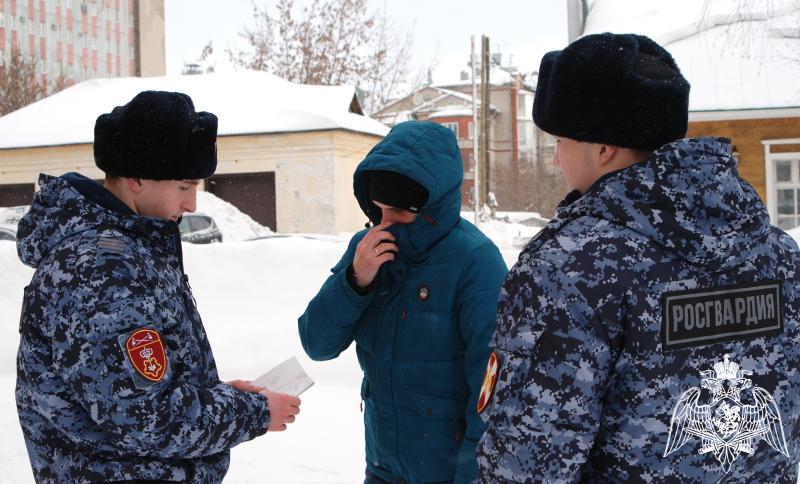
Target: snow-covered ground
249, 294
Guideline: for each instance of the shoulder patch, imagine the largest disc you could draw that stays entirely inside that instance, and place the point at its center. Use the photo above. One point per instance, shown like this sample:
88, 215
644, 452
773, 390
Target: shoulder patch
145, 352
489, 379
110, 243
704, 316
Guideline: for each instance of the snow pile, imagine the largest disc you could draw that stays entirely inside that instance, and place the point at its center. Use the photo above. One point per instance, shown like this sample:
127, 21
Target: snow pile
508, 236
233, 223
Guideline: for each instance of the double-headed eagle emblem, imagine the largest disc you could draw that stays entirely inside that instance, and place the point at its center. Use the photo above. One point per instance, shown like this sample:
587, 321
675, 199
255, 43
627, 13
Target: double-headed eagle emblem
726, 426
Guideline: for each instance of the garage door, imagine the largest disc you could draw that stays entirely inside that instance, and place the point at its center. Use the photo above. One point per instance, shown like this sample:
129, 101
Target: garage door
252, 193
13, 195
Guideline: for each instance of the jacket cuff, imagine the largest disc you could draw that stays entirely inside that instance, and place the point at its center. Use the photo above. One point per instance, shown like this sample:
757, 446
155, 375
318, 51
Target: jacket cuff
260, 417
351, 280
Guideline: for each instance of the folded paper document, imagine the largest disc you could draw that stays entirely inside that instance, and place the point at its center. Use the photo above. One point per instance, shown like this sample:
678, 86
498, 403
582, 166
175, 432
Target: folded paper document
288, 377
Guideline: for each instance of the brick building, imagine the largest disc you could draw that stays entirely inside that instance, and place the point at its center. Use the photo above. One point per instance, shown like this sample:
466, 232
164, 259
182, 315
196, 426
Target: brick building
520, 155
77, 40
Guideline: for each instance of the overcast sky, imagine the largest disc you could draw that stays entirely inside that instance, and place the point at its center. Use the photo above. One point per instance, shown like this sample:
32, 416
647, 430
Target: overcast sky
523, 29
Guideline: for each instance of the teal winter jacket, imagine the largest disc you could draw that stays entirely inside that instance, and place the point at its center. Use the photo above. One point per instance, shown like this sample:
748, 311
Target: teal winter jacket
422, 331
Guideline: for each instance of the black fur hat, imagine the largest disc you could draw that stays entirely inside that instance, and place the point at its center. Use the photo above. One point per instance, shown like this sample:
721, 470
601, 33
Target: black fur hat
618, 89
157, 136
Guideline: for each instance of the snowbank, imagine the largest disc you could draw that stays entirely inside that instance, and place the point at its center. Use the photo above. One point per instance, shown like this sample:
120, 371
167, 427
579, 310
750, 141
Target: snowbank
232, 222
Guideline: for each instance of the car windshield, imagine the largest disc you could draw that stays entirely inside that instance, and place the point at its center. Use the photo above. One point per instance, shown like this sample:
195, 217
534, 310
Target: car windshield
194, 223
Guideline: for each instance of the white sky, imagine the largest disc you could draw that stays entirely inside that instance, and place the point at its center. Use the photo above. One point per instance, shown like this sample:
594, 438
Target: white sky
524, 29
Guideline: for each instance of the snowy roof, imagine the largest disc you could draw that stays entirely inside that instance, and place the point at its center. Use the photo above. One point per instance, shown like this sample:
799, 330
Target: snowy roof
246, 102
434, 107
736, 55
451, 112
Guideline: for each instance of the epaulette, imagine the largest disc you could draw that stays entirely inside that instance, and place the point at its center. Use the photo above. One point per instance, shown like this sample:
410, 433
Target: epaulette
111, 244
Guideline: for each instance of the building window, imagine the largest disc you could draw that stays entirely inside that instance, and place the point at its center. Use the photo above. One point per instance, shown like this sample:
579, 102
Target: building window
452, 127
524, 105
783, 183
471, 130
787, 192
525, 130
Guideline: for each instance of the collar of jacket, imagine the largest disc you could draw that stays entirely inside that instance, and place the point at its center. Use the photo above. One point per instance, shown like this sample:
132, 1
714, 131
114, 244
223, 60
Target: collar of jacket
687, 197
69, 205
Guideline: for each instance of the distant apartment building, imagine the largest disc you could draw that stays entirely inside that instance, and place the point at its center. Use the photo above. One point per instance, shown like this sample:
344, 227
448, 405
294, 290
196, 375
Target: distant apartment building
520, 155
75, 40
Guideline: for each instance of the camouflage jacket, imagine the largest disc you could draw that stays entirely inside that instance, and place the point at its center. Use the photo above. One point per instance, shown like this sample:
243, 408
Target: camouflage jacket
115, 376
650, 333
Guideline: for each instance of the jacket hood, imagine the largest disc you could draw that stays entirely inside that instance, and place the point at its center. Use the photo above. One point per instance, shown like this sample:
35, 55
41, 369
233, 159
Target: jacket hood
427, 153
687, 197
72, 204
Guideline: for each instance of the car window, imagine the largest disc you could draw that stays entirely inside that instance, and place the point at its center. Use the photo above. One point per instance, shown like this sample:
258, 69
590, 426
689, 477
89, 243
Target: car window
199, 223
184, 225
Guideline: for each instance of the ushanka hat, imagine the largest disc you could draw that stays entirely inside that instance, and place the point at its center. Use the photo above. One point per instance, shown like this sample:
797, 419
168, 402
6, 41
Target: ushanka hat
158, 136
396, 190
618, 89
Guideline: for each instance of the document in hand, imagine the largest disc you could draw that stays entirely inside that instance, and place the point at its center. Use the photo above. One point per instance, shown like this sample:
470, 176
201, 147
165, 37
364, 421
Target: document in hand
288, 377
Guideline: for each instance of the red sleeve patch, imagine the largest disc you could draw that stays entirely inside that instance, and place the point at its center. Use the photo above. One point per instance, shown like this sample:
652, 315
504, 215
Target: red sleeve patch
489, 379
146, 353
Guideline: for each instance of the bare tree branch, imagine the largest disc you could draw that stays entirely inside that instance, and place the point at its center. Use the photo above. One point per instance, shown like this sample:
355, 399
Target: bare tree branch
330, 42
20, 85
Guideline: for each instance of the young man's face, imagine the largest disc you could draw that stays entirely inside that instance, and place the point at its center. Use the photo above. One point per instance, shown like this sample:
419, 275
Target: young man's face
394, 215
167, 199
575, 160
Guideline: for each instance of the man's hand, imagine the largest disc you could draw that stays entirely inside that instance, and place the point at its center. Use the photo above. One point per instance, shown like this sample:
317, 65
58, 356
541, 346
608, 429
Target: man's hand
375, 249
244, 385
282, 409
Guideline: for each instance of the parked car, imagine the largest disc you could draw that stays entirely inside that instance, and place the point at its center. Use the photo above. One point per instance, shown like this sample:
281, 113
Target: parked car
8, 232
199, 228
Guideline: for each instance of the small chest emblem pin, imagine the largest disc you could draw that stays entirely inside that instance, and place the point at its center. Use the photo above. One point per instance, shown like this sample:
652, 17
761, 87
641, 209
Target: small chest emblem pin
424, 293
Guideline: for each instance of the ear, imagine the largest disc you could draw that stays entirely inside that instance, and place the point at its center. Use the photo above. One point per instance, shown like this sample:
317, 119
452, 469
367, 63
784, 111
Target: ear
606, 153
134, 184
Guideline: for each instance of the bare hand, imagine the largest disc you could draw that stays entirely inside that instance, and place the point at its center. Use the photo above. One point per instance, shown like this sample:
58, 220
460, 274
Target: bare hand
282, 409
375, 249
244, 385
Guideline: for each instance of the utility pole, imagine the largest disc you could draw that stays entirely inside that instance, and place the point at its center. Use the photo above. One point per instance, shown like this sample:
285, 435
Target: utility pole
485, 100
476, 194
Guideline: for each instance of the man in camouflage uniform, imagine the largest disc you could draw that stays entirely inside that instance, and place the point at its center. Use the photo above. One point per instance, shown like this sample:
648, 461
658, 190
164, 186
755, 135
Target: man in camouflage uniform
650, 332
115, 376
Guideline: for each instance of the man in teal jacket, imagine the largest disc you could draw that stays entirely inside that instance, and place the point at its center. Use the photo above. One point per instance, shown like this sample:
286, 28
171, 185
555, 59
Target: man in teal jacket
418, 294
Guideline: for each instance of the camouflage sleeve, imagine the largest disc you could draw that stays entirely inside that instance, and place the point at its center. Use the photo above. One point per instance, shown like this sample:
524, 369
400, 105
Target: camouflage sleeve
555, 362
163, 416
328, 324
477, 302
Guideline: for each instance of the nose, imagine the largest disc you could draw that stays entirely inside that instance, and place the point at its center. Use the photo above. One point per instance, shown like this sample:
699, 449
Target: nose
190, 202
388, 216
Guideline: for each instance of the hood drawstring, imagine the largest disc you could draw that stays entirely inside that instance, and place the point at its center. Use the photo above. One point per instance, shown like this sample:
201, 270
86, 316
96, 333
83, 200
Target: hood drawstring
429, 219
